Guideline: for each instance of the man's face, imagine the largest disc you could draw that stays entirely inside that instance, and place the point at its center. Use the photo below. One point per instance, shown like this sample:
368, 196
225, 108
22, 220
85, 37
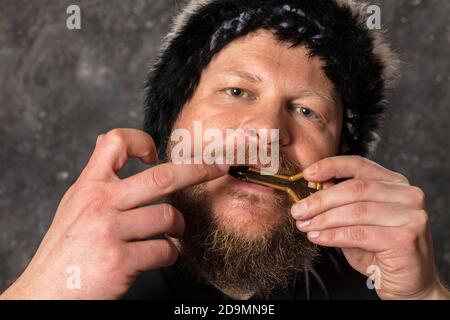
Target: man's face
257, 82
240, 236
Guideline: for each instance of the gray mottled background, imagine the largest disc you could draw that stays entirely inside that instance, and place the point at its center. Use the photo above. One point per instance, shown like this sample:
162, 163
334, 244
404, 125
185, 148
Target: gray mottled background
59, 89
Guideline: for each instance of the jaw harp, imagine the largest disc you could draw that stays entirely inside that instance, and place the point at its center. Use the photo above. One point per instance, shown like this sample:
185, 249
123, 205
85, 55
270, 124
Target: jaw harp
295, 186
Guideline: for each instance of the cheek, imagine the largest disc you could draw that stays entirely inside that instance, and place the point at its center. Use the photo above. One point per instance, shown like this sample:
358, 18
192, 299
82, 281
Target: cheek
199, 118
209, 116
309, 147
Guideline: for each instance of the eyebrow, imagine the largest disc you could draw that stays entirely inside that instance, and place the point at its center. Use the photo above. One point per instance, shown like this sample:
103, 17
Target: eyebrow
309, 93
251, 77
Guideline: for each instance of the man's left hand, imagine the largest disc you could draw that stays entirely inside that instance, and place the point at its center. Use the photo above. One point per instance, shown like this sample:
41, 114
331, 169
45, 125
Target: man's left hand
378, 219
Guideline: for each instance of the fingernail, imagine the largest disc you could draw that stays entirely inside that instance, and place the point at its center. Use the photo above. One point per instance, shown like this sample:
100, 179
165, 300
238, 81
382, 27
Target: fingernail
299, 209
310, 171
303, 224
99, 138
313, 234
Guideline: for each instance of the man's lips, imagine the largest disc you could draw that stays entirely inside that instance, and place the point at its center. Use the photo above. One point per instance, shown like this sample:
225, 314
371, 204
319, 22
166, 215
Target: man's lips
248, 186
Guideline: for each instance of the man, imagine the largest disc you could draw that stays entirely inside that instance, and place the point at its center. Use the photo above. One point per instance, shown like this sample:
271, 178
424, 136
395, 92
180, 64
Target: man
310, 69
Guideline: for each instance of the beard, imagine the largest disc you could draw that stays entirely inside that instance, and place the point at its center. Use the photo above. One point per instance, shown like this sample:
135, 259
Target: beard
263, 263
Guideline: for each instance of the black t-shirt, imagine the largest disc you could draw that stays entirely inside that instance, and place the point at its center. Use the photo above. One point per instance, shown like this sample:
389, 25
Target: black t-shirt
330, 277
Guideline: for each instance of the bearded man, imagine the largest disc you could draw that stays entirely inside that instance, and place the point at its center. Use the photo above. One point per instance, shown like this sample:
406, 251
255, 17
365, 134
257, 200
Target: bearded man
314, 71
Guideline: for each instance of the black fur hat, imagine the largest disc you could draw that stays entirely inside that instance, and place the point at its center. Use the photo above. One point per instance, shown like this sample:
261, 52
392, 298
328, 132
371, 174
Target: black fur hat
357, 60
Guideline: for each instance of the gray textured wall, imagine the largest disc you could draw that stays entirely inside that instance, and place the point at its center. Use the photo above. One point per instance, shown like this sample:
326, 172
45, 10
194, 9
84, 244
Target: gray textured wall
60, 88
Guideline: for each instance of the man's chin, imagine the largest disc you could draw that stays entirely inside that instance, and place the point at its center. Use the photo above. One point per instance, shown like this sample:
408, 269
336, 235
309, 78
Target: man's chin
247, 216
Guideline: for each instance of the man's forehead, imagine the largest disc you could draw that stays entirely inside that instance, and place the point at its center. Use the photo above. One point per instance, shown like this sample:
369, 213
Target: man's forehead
263, 51
258, 62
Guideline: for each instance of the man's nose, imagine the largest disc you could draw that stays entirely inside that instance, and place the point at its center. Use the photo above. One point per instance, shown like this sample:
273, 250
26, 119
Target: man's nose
263, 121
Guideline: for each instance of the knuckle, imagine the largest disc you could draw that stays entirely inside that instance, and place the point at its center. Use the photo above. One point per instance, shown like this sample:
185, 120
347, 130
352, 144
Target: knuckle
321, 165
173, 219
169, 215
70, 193
315, 201
401, 178
408, 241
116, 137
360, 209
356, 234
422, 218
360, 160
114, 256
97, 203
104, 230
162, 177
331, 234
321, 220
358, 187
418, 195
169, 253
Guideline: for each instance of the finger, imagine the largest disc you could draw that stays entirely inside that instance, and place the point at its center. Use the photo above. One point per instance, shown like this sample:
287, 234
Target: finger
157, 182
151, 254
356, 190
115, 147
325, 185
143, 223
360, 213
350, 167
370, 238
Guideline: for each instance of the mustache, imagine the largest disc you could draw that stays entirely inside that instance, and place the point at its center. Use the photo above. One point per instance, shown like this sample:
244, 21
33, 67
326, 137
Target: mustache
287, 166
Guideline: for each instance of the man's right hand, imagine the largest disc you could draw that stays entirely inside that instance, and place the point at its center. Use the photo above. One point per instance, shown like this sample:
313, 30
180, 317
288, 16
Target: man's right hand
101, 227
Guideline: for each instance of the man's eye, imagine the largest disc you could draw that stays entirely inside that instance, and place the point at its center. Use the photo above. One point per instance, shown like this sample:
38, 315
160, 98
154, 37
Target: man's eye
305, 112
237, 92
